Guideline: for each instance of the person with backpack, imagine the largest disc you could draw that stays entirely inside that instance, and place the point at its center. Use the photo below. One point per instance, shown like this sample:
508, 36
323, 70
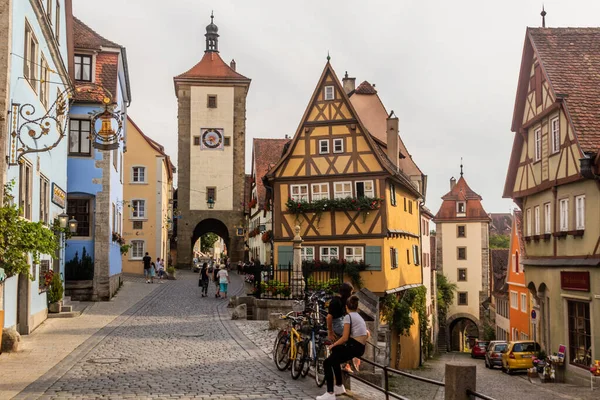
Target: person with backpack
216, 280
204, 277
223, 276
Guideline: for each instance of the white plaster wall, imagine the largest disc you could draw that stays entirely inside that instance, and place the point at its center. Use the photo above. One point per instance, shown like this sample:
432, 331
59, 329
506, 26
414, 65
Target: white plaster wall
211, 167
473, 264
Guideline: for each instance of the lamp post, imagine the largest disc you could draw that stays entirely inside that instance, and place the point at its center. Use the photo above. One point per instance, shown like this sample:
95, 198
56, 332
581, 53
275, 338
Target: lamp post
211, 203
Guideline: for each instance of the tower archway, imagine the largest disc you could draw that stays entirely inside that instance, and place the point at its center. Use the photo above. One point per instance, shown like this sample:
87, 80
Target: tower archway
211, 225
462, 330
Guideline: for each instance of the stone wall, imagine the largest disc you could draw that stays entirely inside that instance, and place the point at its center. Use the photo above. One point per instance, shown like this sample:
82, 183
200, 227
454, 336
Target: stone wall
102, 233
5, 49
484, 294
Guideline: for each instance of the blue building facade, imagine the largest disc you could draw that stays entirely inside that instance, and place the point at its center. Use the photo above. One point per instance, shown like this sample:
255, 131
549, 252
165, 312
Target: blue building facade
38, 76
95, 176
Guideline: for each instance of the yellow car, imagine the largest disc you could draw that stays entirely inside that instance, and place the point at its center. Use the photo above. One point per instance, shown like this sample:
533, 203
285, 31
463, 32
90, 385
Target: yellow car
519, 355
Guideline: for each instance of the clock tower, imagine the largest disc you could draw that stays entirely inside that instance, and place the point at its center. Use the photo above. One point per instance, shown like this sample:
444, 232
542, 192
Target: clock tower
211, 99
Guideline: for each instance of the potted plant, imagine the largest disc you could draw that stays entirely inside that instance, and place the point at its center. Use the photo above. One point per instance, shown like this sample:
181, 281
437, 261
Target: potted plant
171, 271
55, 294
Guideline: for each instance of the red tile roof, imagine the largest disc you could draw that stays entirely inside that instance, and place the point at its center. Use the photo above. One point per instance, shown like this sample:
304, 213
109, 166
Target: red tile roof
499, 263
85, 37
570, 58
461, 192
265, 154
157, 147
212, 66
501, 223
365, 88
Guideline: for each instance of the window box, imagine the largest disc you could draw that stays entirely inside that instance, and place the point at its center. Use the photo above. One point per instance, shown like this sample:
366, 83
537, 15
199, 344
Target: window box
346, 204
528, 239
547, 236
536, 238
560, 234
576, 233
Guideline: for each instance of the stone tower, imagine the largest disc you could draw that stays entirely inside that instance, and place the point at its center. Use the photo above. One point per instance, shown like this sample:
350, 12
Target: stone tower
211, 100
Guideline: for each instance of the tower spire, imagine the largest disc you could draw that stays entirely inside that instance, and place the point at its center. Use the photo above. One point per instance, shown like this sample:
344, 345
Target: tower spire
543, 14
212, 35
461, 167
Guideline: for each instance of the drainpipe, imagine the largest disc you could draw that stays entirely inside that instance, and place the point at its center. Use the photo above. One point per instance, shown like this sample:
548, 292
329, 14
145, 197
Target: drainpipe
421, 204
587, 166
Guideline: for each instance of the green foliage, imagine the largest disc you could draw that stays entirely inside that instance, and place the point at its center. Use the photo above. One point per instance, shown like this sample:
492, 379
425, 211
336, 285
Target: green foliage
350, 268
488, 332
499, 241
80, 269
170, 270
345, 204
55, 293
207, 241
398, 309
125, 248
19, 237
331, 286
445, 296
275, 288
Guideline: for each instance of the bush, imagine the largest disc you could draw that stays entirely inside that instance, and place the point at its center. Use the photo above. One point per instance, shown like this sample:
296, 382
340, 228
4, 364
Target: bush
55, 294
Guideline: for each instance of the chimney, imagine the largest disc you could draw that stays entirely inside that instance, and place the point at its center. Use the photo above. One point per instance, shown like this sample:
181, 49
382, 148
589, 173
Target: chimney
349, 83
232, 64
392, 138
452, 183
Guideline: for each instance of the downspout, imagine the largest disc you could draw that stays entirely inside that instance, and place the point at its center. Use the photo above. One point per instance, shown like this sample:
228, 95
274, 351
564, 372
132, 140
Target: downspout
421, 204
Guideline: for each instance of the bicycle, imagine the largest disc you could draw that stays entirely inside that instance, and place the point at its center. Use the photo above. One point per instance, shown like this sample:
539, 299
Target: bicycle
287, 351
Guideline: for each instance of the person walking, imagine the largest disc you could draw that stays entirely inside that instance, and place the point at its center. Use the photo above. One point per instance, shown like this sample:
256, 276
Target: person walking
147, 260
350, 345
152, 272
204, 279
215, 277
160, 266
223, 281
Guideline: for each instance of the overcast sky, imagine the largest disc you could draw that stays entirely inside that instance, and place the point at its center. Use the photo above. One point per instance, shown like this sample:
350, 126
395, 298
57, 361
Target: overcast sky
448, 69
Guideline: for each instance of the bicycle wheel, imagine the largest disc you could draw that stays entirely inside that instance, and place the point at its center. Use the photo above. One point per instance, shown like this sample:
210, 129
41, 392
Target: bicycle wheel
322, 354
279, 334
298, 361
307, 358
281, 354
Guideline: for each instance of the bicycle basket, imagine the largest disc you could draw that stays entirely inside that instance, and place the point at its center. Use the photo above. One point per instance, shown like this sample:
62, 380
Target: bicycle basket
298, 306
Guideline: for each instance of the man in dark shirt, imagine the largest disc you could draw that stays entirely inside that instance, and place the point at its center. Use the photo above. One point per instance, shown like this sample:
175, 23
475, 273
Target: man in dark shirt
147, 260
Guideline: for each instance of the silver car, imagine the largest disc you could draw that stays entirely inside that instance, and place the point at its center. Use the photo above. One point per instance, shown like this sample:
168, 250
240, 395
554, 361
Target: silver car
493, 355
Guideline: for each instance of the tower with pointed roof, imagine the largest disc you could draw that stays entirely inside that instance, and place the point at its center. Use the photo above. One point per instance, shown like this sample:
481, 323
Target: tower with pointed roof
211, 100
462, 255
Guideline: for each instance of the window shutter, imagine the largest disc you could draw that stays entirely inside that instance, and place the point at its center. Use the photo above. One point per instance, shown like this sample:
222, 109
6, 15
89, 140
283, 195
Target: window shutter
285, 256
373, 258
396, 258
416, 254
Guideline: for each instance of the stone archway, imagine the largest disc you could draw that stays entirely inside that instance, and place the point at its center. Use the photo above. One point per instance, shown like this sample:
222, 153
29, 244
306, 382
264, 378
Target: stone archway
457, 325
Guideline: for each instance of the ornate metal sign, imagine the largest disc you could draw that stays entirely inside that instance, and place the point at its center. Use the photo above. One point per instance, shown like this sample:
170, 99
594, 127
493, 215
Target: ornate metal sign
59, 196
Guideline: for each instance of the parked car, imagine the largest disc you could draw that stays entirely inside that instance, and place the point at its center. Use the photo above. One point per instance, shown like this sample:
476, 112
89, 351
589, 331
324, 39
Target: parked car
478, 351
519, 355
493, 355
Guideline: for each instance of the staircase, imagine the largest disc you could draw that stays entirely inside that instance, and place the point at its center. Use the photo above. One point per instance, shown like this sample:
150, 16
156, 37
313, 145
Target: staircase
69, 309
442, 344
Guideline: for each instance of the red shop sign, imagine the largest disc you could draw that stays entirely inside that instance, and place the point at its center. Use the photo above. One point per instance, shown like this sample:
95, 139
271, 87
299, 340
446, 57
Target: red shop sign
579, 280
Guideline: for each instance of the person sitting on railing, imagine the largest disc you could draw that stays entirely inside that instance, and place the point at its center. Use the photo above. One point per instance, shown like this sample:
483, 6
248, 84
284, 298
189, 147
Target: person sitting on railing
337, 310
350, 345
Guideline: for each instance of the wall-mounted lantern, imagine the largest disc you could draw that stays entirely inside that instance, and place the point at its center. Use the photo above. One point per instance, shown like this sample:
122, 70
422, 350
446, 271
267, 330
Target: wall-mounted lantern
211, 203
73, 225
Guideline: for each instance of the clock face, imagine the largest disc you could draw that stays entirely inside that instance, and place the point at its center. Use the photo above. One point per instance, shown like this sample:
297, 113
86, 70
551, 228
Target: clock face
212, 138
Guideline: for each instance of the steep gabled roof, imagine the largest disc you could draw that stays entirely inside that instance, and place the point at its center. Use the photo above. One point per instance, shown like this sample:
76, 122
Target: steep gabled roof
157, 147
461, 192
265, 154
212, 66
499, 262
85, 37
501, 223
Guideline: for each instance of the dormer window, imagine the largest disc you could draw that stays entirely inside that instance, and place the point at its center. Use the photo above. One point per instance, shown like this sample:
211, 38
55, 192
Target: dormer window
329, 93
83, 68
461, 207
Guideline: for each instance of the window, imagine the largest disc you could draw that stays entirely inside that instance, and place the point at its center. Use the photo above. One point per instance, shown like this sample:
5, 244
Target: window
299, 192
462, 275
365, 189
463, 298
515, 262
320, 191
410, 206
460, 208
392, 194
536, 219
416, 255
329, 253
30, 61
211, 193
528, 222
211, 101
227, 141
394, 257
461, 231
25, 188
324, 146
524, 336
196, 140
338, 145
547, 219
555, 135
44, 198
580, 212
138, 224
83, 68
580, 333
405, 208
138, 209
523, 302
538, 145
49, 9
308, 253
138, 174
461, 253
514, 300
44, 84
342, 190
120, 223
564, 215
353, 254
408, 256
137, 249
79, 137
57, 22
329, 93
80, 209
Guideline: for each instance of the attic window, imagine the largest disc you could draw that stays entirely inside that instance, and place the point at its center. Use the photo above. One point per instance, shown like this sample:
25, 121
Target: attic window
227, 141
196, 140
329, 93
461, 206
212, 101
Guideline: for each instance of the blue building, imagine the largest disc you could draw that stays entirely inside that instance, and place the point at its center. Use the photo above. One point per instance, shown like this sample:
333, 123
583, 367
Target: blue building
37, 79
95, 176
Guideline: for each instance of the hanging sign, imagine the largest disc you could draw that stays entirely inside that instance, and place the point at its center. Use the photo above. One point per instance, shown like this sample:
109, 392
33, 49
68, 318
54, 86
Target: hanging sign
59, 196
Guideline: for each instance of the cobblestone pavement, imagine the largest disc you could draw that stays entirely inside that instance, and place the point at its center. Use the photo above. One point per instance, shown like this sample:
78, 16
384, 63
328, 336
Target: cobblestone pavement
174, 344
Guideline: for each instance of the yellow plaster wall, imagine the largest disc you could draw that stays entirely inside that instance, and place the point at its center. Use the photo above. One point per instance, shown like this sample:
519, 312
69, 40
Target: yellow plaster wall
409, 347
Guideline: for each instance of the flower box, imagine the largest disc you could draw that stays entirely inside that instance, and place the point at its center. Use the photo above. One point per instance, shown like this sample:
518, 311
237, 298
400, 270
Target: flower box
561, 234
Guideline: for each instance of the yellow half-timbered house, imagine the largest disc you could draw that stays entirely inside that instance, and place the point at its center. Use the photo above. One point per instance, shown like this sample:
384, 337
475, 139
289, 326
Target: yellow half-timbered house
347, 192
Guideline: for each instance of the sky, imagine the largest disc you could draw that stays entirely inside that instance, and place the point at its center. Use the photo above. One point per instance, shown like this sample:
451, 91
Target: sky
448, 69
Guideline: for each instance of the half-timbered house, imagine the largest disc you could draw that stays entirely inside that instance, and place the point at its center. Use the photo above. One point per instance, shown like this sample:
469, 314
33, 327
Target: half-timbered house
352, 200
553, 176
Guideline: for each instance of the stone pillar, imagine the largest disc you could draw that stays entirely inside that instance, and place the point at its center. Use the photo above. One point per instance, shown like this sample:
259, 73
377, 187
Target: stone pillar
297, 277
458, 379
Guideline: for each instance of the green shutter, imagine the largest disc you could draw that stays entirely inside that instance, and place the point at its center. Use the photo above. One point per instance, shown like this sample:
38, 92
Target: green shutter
285, 256
373, 258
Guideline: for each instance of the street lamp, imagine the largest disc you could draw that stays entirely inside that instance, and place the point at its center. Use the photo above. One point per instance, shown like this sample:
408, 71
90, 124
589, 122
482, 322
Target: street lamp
211, 203
73, 225
63, 219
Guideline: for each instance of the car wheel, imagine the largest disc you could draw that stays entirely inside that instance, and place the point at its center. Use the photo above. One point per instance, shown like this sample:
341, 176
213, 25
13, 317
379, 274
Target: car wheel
508, 371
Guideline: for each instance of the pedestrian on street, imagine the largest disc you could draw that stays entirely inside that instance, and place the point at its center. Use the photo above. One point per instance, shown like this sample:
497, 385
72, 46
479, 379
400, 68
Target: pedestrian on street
204, 279
147, 260
223, 280
216, 280
160, 265
350, 345
152, 272
239, 267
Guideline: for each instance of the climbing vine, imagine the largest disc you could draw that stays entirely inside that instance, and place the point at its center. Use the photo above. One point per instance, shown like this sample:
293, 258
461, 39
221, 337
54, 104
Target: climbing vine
19, 237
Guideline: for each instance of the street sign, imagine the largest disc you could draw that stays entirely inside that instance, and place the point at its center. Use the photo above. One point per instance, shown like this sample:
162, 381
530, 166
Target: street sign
533, 314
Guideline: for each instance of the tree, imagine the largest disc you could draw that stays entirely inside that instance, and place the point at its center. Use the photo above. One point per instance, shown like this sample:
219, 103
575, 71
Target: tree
499, 241
445, 296
207, 241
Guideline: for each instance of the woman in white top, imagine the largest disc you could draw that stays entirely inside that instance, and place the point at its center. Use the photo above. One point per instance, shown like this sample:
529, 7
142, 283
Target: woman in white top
350, 345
